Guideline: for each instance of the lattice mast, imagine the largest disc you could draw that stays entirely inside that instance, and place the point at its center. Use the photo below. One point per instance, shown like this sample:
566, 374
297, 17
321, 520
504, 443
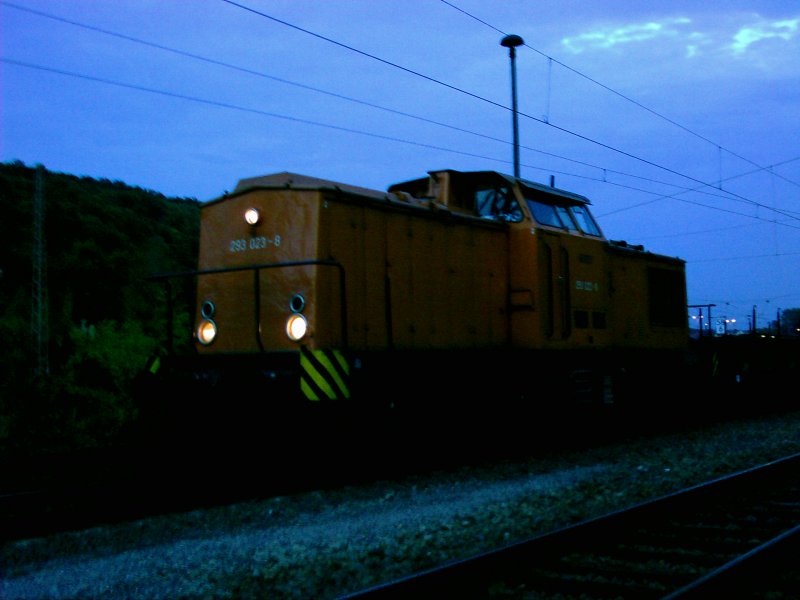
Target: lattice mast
39, 301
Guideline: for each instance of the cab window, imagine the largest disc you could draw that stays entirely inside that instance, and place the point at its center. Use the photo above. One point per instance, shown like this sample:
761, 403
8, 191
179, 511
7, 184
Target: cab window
566, 218
573, 218
499, 204
585, 220
545, 214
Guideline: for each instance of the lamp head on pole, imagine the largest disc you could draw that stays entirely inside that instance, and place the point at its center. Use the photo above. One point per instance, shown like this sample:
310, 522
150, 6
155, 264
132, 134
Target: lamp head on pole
511, 41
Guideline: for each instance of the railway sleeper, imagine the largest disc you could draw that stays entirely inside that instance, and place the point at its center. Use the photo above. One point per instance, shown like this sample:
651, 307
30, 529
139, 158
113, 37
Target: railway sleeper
752, 525
689, 537
635, 577
672, 554
610, 563
536, 583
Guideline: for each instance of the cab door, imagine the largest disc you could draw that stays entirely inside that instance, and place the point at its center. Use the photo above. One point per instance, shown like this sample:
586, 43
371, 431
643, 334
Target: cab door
539, 300
556, 300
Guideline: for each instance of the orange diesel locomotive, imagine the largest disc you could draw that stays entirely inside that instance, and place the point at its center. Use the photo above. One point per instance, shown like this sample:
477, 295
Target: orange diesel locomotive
443, 294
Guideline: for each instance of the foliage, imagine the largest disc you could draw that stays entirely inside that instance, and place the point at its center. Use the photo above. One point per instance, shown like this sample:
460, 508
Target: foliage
103, 239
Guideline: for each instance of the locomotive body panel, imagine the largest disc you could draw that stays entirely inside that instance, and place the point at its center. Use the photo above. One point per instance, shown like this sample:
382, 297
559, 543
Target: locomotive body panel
479, 274
426, 272
416, 279
250, 313
648, 299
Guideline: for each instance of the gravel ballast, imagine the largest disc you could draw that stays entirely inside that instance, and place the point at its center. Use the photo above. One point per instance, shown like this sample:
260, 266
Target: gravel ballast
326, 543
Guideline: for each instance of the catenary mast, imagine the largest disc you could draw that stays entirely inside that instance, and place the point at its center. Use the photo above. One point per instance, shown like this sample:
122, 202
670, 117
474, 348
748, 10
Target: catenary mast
39, 299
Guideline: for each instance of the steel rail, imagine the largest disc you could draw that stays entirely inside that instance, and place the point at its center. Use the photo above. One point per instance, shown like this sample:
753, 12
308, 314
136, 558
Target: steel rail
600, 557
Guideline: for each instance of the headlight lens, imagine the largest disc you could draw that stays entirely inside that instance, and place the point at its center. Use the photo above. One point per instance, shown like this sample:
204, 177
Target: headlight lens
206, 331
251, 216
296, 327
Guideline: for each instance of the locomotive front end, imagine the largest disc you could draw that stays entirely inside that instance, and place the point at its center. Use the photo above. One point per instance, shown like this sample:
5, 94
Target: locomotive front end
251, 297
269, 341
266, 299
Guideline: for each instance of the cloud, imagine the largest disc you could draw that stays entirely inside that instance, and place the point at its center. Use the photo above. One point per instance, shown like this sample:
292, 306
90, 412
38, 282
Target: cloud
696, 44
746, 36
737, 34
608, 38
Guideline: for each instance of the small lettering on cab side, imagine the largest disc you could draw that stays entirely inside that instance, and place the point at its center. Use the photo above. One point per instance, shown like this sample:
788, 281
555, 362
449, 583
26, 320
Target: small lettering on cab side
255, 243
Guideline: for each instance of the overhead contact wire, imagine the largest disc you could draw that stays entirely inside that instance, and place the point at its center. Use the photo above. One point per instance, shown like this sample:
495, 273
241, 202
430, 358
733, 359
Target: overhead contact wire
620, 94
372, 105
477, 97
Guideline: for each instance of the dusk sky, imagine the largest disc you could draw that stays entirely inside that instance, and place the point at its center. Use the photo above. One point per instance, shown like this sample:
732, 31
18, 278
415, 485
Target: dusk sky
679, 120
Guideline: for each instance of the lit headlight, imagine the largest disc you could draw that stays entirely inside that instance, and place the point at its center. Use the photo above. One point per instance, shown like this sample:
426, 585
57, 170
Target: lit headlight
251, 216
296, 327
206, 331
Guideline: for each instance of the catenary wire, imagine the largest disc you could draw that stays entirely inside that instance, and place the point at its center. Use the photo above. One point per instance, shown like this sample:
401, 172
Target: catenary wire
619, 94
787, 213
261, 74
228, 105
422, 118
473, 95
405, 141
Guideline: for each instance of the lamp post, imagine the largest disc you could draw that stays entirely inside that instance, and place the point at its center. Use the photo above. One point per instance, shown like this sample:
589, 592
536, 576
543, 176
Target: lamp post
511, 42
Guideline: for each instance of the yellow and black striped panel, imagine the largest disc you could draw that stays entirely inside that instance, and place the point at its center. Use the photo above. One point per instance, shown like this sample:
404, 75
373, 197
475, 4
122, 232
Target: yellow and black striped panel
324, 374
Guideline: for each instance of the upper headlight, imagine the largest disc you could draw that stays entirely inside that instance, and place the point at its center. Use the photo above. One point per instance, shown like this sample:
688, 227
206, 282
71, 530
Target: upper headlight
252, 216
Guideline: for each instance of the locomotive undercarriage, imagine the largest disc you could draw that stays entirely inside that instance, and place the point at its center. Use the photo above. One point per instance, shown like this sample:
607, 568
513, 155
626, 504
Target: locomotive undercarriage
255, 402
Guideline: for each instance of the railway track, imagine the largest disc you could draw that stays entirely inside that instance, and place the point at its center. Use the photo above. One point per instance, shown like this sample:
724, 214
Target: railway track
737, 536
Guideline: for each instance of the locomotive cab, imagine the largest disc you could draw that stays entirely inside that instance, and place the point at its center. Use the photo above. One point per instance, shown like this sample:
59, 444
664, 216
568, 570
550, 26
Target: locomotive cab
557, 294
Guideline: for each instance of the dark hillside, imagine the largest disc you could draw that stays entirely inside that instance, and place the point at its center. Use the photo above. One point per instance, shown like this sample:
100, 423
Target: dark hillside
102, 239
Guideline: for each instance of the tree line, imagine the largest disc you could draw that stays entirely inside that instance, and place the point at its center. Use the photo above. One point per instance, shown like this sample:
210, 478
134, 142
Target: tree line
102, 239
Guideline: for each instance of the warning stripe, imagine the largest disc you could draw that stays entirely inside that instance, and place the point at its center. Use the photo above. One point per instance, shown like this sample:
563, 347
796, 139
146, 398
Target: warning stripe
324, 374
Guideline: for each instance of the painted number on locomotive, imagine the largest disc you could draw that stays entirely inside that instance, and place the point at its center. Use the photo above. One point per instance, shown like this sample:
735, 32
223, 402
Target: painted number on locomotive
255, 243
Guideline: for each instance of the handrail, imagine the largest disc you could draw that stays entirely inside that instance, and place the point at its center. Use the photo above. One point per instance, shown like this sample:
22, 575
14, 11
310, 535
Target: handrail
167, 278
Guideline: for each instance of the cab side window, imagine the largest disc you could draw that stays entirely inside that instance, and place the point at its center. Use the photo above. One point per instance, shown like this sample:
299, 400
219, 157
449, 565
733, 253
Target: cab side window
545, 214
585, 220
573, 218
498, 204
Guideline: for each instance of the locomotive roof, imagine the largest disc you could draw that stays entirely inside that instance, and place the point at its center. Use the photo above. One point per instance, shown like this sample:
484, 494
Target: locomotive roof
414, 186
286, 179
554, 191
